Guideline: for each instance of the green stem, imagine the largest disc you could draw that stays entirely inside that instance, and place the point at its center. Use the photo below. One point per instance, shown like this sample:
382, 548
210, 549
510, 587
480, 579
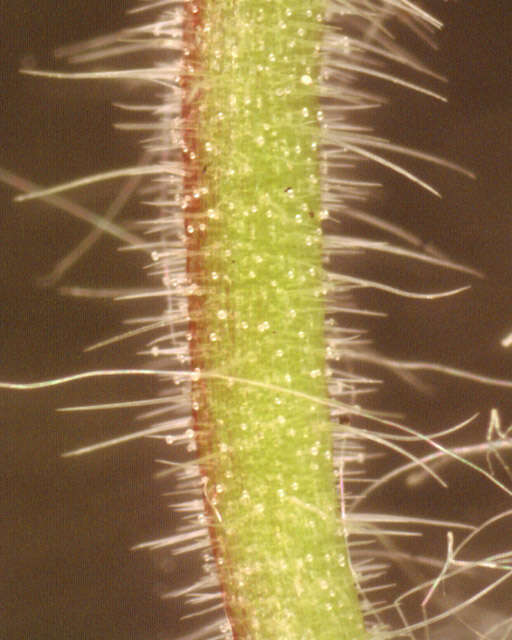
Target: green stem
252, 132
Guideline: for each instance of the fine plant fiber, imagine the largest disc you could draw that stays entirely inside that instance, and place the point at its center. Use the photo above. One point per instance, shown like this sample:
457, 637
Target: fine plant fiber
257, 233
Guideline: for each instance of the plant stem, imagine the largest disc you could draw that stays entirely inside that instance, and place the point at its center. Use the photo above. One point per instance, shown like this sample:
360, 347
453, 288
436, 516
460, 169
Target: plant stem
252, 126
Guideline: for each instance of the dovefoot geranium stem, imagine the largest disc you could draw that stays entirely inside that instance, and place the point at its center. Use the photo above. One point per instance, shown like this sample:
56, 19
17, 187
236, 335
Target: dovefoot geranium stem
254, 162
252, 205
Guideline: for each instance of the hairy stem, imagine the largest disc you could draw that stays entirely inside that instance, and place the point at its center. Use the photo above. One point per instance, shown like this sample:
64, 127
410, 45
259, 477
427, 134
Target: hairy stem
253, 203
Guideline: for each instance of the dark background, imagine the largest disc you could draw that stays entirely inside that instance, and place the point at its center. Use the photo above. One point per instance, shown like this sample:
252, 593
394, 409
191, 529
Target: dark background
66, 569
